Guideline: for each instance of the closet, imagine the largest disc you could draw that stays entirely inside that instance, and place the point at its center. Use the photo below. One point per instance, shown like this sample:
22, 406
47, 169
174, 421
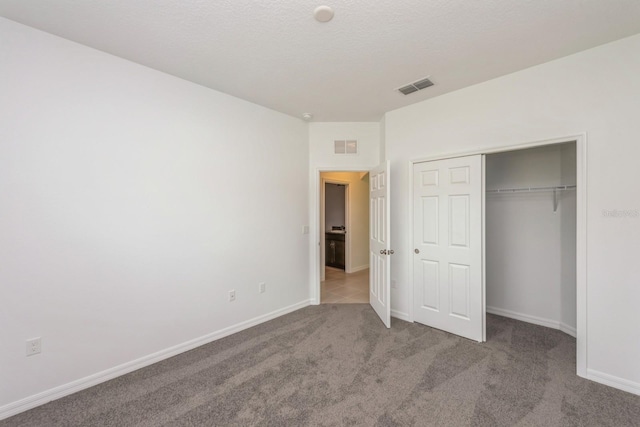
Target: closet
530, 235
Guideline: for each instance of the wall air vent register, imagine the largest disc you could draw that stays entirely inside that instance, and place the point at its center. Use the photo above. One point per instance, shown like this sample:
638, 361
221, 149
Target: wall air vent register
345, 146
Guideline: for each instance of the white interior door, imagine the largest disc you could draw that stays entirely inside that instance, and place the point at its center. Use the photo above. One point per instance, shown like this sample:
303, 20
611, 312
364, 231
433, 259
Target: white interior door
379, 243
447, 264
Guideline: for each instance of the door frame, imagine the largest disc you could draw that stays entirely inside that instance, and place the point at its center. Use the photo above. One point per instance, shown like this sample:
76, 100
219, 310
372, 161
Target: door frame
314, 228
581, 230
347, 220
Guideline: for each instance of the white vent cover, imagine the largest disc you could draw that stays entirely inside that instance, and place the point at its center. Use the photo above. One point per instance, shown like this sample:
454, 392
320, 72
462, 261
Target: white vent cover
415, 86
345, 146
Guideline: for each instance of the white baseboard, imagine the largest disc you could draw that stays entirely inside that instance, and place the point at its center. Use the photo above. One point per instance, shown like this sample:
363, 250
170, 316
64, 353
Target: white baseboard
524, 317
554, 324
569, 330
358, 268
615, 382
30, 402
400, 315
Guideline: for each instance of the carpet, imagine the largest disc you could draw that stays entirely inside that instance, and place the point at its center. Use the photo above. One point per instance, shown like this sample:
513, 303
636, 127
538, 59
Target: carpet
337, 365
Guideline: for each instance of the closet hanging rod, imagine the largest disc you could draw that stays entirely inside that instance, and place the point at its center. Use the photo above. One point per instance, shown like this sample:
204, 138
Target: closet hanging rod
531, 189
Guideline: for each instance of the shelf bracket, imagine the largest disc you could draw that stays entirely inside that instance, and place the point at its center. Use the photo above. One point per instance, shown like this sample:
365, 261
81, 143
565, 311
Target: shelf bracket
555, 199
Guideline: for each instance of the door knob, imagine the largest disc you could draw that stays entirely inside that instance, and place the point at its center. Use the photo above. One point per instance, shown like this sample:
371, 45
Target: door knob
416, 251
383, 251
391, 252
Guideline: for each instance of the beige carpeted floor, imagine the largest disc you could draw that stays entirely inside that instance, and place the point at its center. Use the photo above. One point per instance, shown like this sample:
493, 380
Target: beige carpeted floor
336, 365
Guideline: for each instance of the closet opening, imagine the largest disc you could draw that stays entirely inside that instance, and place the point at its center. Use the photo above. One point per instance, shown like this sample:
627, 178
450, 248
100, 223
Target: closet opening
530, 235
502, 231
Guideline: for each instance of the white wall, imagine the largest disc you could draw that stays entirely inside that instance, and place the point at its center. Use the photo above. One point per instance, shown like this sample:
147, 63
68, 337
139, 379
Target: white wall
383, 146
595, 91
526, 266
322, 158
131, 202
358, 222
321, 146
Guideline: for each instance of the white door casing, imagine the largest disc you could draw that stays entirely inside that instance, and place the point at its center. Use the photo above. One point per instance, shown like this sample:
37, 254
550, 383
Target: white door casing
379, 242
447, 263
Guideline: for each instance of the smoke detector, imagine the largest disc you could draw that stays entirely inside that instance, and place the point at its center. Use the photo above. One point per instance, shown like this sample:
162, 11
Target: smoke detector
323, 14
307, 116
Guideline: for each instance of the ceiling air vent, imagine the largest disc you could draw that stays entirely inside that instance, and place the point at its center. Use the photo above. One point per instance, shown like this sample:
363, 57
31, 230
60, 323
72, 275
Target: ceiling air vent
416, 86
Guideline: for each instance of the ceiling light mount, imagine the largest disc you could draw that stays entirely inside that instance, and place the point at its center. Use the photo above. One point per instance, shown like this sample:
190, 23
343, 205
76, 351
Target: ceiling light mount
323, 14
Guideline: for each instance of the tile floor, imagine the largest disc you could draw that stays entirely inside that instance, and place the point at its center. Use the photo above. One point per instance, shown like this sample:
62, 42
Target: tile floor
342, 288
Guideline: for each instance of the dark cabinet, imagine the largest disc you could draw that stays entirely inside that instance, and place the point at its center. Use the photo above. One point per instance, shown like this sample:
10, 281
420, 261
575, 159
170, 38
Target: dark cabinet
335, 250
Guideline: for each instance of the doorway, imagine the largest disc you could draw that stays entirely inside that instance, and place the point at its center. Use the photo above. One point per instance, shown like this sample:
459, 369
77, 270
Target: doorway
335, 217
344, 230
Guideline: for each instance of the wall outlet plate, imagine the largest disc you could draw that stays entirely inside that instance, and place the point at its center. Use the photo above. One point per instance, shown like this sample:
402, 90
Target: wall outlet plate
232, 295
34, 346
262, 287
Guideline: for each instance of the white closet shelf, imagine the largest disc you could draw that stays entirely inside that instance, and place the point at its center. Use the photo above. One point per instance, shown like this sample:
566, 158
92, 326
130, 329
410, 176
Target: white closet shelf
555, 190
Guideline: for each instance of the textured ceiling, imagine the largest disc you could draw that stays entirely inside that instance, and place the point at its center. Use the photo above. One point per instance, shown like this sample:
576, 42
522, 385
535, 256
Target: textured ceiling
274, 53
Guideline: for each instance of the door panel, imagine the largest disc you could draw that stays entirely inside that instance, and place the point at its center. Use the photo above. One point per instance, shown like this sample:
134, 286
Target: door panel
459, 221
431, 291
379, 245
459, 286
430, 220
447, 202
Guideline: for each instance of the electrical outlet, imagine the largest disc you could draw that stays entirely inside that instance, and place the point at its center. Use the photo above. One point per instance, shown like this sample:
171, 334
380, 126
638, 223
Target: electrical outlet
394, 284
262, 287
232, 295
34, 346
305, 229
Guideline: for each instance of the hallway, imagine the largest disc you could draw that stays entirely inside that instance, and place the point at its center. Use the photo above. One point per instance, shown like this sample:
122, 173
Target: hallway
345, 288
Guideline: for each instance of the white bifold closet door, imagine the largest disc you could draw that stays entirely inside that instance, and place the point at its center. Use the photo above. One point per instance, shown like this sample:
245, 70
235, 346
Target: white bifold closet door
447, 263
